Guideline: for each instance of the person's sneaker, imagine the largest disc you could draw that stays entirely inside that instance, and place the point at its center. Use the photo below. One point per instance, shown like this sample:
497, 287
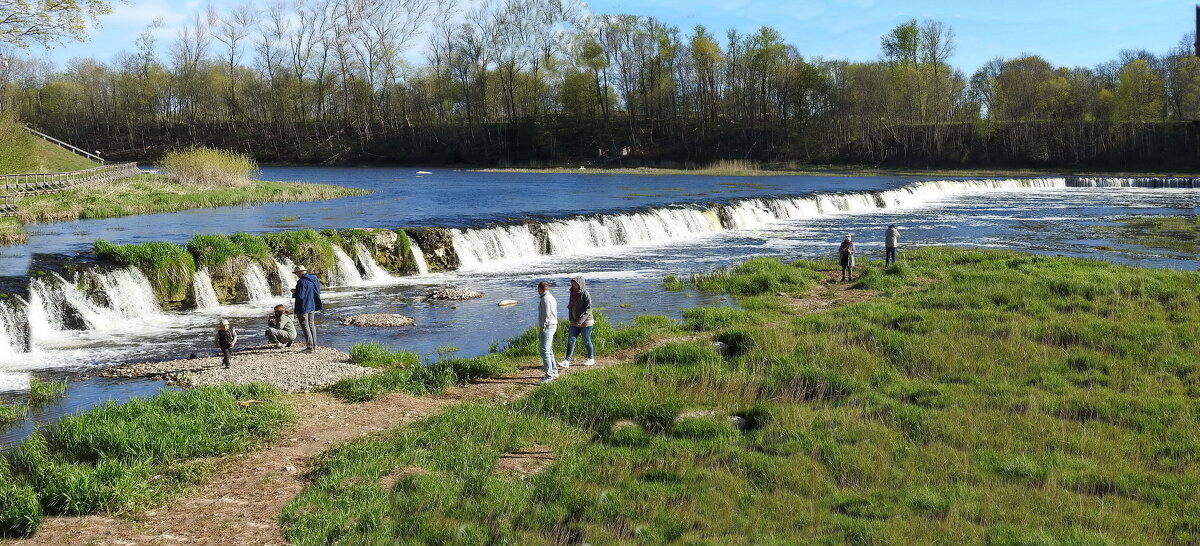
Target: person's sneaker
564, 364
589, 362
309, 349
545, 380
289, 344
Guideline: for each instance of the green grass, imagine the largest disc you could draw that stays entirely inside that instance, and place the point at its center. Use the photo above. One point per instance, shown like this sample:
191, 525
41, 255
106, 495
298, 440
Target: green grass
759, 276
117, 458
1178, 233
150, 194
11, 413
168, 266
22, 152
42, 391
433, 378
374, 355
12, 232
305, 247
229, 253
1006, 399
208, 167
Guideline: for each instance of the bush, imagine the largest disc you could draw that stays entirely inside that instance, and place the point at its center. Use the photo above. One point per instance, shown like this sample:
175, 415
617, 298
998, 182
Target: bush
198, 166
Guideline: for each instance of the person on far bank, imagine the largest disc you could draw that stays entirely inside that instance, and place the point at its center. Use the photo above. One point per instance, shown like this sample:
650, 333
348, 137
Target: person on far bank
308, 301
281, 328
548, 321
226, 340
890, 238
579, 311
846, 258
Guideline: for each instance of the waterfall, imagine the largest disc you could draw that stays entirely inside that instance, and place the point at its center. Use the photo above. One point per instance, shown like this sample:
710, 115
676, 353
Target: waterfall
287, 280
14, 381
129, 294
374, 272
11, 341
202, 291
418, 257
255, 282
345, 272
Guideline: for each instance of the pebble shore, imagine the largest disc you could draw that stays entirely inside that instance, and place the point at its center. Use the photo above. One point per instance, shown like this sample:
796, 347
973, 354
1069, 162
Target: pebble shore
287, 368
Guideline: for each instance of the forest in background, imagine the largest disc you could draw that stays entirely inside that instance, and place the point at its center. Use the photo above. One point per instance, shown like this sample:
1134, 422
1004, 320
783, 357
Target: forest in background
539, 82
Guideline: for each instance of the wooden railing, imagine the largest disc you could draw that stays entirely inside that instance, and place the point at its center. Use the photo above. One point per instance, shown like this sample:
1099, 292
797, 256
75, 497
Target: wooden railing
75, 149
16, 186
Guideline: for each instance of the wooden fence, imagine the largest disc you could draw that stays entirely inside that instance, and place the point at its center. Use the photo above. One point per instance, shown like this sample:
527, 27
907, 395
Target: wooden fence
16, 186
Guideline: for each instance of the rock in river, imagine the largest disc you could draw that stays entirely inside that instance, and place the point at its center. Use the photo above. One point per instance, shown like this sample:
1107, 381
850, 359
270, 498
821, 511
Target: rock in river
378, 320
452, 294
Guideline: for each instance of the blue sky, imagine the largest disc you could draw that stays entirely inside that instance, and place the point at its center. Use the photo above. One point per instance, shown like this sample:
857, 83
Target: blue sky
1067, 33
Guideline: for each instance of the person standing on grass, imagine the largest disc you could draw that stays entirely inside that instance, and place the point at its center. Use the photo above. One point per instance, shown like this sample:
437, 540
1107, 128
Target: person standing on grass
281, 327
846, 258
890, 238
308, 301
548, 321
579, 311
226, 339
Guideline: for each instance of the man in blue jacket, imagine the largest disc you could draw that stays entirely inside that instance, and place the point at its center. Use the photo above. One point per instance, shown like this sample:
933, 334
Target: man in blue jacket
308, 302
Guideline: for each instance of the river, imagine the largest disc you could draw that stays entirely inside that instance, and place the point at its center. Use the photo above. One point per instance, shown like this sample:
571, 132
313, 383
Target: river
623, 232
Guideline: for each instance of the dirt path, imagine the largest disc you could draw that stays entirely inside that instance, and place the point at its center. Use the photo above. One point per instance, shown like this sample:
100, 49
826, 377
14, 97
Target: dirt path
241, 502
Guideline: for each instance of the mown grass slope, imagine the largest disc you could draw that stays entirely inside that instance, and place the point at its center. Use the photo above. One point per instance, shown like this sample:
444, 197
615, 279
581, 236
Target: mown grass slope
21, 152
980, 397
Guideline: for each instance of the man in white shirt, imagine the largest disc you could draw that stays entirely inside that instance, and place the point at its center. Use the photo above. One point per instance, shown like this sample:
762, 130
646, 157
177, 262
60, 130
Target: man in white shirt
548, 320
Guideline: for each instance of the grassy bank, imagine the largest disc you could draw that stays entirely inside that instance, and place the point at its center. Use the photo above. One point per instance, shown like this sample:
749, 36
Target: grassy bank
149, 194
1178, 233
741, 168
12, 232
977, 397
22, 152
117, 458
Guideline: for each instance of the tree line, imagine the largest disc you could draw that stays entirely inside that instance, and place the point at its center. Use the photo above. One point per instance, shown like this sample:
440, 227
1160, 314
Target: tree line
519, 81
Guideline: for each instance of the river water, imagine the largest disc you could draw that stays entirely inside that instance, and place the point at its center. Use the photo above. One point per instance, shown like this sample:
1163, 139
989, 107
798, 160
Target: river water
622, 232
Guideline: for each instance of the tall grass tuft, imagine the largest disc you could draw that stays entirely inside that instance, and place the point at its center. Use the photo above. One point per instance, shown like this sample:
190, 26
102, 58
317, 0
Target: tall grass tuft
304, 247
759, 276
12, 232
11, 413
169, 267
199, 166
20, 513
434, 378
374, 355
42, 391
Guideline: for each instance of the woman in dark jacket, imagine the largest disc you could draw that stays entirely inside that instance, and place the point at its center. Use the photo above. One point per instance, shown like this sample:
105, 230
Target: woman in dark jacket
846, 258
579, 310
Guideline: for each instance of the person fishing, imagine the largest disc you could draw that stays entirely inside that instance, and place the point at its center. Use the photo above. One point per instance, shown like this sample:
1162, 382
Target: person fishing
226, 339
890, 238
548, 321
846, 257
307, 296
579, 311
281, 327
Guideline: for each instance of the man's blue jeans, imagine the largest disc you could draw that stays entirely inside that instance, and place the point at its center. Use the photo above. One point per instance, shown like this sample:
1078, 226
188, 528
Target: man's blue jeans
547, 347
573, 334
890, 257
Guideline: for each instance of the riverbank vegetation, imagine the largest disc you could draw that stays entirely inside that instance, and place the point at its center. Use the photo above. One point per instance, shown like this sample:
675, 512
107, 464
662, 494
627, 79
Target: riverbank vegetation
12, 232
973, 397
611, 89
1177, 233
207, 167
117, 458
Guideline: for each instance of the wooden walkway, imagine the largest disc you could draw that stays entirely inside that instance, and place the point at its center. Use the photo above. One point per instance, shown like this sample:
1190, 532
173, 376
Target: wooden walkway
15, 186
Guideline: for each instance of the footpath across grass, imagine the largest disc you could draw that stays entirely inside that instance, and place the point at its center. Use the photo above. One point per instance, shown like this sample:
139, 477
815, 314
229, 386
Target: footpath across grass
978, 397
118, 458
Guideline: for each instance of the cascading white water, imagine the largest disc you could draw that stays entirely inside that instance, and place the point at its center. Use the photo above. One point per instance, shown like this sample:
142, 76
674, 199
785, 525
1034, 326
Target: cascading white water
373, 272
43, 314
287, 280
345, 271
130, 295
418, 257
203, 292
11, 342
255, 281
494, 244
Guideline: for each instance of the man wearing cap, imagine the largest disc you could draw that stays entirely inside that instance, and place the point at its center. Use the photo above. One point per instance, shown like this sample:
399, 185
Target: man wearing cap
308, 301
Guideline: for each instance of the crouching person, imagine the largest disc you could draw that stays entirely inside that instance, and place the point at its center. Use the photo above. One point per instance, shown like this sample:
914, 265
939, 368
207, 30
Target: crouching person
281, 328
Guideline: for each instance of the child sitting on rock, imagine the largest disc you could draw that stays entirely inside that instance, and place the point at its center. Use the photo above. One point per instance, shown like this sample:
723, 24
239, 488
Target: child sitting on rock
226, 339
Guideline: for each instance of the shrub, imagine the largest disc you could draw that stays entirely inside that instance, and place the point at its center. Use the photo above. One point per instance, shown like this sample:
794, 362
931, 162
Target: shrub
198, 166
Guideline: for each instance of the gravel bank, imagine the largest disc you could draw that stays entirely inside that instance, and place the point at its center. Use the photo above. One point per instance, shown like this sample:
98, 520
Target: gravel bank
378, 320
287, 368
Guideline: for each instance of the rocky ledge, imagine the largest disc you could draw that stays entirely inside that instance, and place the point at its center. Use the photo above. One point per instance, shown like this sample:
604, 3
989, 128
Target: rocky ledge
452, 294
287, 368
378, 320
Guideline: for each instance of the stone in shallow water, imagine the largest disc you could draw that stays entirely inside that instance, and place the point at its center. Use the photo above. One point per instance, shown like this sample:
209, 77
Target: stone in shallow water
378, 320
506, 303
453, 294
